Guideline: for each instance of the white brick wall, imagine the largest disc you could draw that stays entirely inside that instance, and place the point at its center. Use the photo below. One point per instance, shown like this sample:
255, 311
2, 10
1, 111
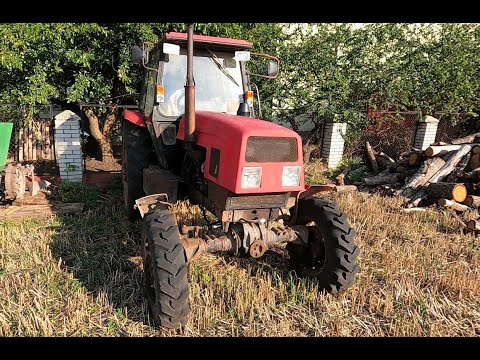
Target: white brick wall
67, 146
426, 133
332, 143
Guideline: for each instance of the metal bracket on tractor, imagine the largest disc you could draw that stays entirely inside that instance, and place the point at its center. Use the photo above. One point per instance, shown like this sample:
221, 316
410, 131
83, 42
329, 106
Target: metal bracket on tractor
152, 202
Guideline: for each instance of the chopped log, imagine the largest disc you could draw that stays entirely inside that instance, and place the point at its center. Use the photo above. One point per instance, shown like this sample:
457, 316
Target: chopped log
40, 211
371, 157
424, 173
341, 177
354, 173
415, 158
460, 221
452, 205
415, 209
457, 173
449, 165
400, 169
472, 200
407, 173
474, 174
386, 157
417, 198
467, 139
474, 161
439, 143
476, 149
440, 150
473, 225
382, 162
457, 192
345, 188
382, 179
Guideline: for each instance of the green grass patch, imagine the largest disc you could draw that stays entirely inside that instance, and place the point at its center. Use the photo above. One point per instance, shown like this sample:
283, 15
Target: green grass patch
69, 192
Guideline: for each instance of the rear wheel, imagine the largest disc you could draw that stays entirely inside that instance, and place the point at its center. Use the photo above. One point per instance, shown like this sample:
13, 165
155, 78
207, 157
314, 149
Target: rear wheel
137, 154
330, 254
165, 267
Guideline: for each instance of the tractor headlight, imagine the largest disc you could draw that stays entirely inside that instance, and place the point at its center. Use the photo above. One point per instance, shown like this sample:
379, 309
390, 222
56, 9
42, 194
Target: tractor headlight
251, 177
291, 176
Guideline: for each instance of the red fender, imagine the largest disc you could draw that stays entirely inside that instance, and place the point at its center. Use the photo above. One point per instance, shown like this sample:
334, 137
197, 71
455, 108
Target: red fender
135, 117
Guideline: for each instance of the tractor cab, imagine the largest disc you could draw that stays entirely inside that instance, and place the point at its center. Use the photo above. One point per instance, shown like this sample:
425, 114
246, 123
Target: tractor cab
221, 80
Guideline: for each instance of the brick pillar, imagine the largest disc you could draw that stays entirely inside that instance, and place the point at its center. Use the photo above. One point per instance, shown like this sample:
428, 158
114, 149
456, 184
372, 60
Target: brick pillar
426, 132
332, 143
68, 149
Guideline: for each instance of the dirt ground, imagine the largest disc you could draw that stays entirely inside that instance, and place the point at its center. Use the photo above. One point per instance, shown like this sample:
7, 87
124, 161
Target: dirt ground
94, 165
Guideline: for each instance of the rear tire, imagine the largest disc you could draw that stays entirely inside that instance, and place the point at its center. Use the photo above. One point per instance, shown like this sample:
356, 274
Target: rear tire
331, 254
165, 267
137, 154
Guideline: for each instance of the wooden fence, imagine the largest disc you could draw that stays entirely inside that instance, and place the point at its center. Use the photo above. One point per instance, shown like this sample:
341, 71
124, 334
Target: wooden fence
35, 142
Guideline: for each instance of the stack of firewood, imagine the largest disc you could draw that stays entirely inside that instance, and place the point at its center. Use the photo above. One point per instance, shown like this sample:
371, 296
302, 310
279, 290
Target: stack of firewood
444, 174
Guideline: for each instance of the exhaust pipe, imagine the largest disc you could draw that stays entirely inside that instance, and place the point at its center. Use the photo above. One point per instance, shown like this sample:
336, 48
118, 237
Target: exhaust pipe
190, 90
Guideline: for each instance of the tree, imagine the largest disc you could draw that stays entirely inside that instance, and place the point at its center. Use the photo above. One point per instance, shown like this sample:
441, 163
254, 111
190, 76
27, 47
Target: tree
83, 63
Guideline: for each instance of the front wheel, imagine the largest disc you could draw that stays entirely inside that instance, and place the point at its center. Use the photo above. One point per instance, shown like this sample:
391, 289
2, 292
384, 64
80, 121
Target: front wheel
330, 254
165, 268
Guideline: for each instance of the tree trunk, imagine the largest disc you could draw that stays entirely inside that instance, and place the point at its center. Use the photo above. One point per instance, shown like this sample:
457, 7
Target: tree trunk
467, 139
457, 192
472, 200
440, 150
103, 141
424, 173
307, 152
371, 157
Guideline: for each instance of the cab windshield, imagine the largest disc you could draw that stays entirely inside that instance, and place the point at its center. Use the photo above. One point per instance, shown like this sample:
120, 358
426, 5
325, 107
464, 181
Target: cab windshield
218, 84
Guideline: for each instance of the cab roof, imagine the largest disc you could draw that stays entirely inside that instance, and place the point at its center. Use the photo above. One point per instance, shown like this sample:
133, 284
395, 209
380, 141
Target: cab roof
212, 42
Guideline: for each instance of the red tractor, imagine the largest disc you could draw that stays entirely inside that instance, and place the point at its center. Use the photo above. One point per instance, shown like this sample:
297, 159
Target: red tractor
199, 140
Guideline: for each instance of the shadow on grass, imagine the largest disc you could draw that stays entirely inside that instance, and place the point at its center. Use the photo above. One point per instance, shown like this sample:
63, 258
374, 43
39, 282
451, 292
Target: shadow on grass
101, 249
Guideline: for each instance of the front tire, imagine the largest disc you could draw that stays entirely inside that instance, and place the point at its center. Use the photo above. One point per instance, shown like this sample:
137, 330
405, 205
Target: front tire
165, 267
137, 154
331, 254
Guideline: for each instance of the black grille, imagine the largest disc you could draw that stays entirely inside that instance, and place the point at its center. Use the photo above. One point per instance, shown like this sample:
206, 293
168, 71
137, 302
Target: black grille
271, 149
257, 201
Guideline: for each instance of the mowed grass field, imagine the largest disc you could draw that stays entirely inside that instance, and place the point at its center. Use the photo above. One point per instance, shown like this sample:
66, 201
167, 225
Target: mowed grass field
82, 275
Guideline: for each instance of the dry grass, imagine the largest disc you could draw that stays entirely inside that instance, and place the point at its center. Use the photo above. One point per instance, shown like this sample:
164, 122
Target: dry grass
82, 276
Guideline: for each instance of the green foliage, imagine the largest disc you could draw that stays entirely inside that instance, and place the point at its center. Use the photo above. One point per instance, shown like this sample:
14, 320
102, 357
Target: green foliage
327, 71
336, 72
69, 192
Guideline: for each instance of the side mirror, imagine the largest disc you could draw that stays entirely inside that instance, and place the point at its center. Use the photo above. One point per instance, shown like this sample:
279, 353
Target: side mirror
137, 55
272, 69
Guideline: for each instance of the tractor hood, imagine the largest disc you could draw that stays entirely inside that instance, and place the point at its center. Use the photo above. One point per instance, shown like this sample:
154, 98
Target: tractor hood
273, 147
234, 127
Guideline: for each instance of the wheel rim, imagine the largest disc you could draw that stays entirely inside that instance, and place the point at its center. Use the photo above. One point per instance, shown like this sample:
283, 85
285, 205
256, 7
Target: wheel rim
149, 277
308, 259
